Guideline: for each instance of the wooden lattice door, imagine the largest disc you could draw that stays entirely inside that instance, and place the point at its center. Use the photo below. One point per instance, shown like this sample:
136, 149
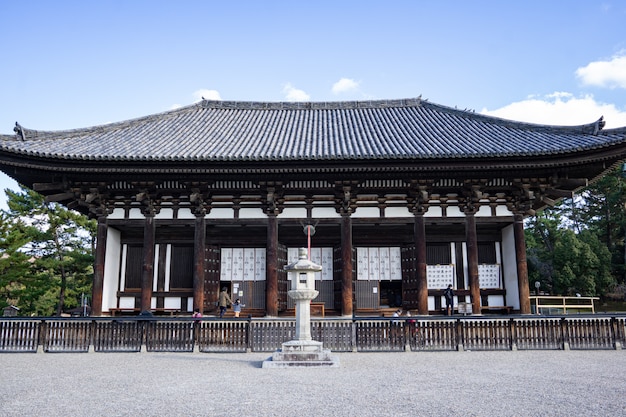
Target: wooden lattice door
211, 277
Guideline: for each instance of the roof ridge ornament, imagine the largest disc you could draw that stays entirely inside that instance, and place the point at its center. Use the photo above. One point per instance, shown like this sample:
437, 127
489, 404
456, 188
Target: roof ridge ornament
599, 125
19, 132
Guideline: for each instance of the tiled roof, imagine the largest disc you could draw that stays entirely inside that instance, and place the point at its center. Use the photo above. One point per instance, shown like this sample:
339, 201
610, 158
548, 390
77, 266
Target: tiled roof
258, 131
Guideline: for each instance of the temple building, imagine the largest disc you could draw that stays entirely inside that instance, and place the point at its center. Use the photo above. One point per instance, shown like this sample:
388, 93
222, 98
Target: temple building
397, 199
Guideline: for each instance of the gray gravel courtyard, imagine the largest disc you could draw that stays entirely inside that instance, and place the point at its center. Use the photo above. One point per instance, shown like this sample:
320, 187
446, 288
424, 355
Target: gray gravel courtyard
518, 383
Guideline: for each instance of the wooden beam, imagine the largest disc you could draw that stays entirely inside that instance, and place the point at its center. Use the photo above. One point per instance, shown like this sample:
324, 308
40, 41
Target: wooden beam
555, 192
48, 186
59, 197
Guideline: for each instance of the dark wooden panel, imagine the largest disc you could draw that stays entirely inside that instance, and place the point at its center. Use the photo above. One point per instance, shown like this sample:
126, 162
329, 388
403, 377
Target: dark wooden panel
134, 263
487, 253
181, 267
438, 254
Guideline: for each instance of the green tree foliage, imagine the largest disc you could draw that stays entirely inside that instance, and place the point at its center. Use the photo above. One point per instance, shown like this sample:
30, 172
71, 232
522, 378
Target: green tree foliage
578, 245
601, 210
53, 247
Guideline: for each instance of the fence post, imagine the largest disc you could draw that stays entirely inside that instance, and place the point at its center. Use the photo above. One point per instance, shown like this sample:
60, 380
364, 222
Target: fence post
249, 335
42, 336
616, 334
565, 333
513, 330
144, 336
407, 338
459, 336
92, 337
354, 347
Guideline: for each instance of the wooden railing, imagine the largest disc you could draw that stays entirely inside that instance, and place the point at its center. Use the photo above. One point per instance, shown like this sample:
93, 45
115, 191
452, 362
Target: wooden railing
552, 304
376, 334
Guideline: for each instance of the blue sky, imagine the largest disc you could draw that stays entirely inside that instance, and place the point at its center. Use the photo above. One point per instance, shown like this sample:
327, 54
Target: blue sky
72, 64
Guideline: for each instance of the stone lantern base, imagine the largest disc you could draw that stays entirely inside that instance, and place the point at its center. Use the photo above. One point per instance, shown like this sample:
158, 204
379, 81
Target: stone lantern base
301, 353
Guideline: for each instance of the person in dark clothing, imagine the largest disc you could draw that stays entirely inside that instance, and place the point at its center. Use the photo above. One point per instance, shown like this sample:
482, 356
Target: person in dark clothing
449, 294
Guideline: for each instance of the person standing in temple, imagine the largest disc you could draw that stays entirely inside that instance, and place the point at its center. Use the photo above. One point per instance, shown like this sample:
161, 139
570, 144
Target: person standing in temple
237, 307
224, 301
449, 295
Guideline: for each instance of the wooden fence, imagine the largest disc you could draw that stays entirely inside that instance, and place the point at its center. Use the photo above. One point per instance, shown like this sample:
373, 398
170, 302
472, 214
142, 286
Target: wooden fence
186, 334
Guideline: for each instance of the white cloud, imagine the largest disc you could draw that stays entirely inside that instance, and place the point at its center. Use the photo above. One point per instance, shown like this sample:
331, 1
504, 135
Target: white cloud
345, 85
561, 108
294, 94
608, 74
207, 94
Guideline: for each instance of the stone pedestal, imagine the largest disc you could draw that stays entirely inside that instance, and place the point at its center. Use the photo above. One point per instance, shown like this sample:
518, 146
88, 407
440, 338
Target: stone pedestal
302, 351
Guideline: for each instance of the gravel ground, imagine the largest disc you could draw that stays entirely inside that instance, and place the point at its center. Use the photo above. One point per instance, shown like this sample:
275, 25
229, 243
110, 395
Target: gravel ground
521, 383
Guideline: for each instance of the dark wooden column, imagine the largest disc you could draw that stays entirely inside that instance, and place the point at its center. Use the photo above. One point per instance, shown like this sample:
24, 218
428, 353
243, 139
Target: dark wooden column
472, 260
199, 243
271, 283
522, 266
346, 271
420, 264
98, 267
147, 273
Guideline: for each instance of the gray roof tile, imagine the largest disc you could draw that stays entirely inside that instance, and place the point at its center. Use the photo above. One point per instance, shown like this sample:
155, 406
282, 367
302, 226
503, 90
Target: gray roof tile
258, 131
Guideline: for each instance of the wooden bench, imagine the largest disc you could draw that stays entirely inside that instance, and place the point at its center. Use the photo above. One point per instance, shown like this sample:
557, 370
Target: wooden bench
317, 309
136, 311
500, 309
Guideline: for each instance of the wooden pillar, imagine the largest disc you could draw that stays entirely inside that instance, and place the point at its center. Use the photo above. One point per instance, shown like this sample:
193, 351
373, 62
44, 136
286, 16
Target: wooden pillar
420, 264
346, 271
472, 260
271, 283
98, 267
199, 244
522, 266
147, 273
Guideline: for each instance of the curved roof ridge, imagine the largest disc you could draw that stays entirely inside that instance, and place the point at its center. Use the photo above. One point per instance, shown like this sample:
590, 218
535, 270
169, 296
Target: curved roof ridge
310, 105
593, 127
25, 134
615, 131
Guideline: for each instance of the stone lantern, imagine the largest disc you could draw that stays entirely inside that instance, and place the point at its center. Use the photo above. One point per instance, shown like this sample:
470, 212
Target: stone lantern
302, 277
302, 351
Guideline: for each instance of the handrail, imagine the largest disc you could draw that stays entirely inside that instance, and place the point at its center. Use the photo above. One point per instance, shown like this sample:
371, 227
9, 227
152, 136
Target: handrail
587, 303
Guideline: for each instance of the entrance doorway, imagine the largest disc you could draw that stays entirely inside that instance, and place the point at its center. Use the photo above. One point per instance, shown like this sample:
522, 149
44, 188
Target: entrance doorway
390, 294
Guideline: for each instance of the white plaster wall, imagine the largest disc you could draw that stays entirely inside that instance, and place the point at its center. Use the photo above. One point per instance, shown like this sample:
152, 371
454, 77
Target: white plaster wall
127, 302
155, 268
366, 212
189, 303
293, 213
185, 213
253, 213
220, 213
168, 266
496, 300
135, 213
434, 211
502, 210
118, 213
391, 212
165, 213
483, 211
111, 269
172, 302
454, 211
465, 266
509, 267
325, 213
